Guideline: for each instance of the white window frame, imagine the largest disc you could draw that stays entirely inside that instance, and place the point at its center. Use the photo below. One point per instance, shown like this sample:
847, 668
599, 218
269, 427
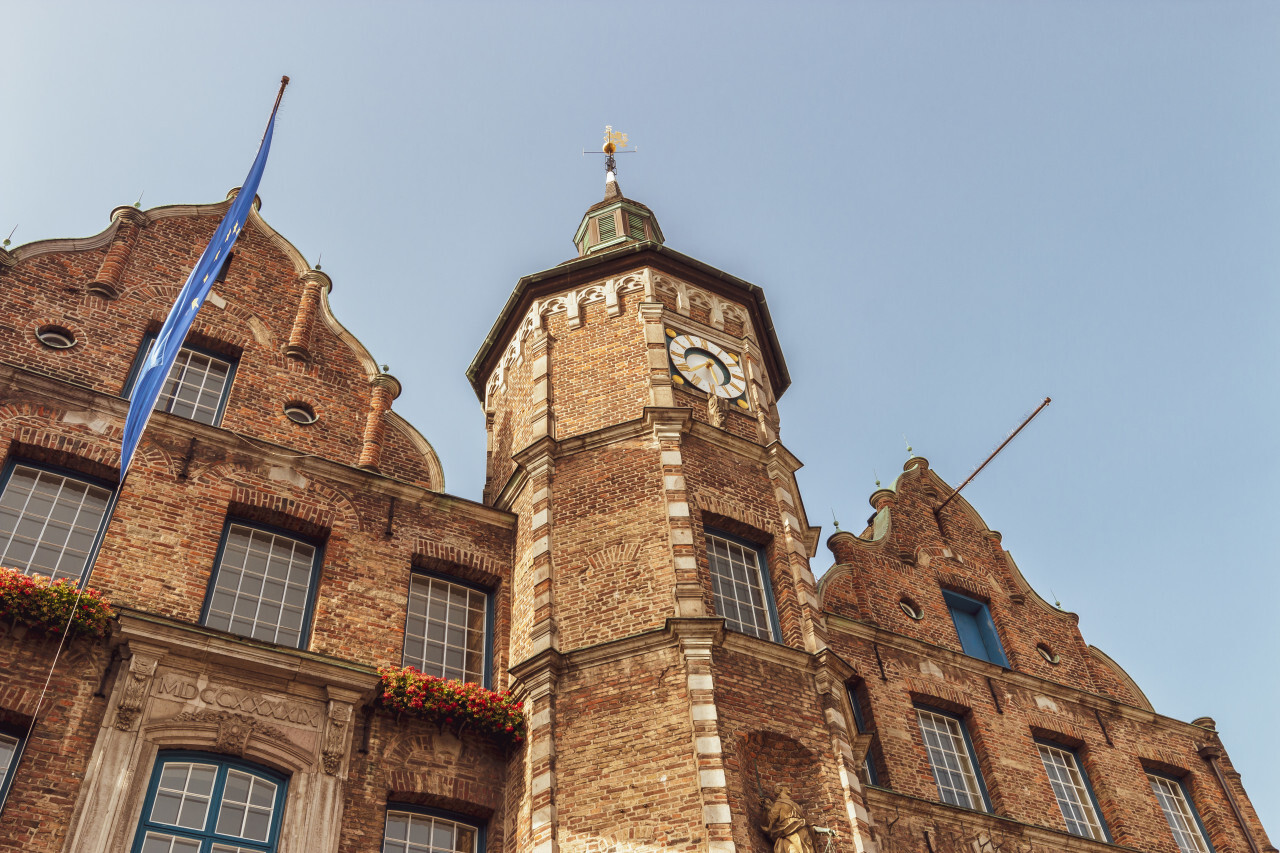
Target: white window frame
417, 817
950, 753
44, 475
1072, 791
423, 629
753, 579
1183, 820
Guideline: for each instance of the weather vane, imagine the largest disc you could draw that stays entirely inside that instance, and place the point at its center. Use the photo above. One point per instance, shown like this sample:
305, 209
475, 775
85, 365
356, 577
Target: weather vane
615, 142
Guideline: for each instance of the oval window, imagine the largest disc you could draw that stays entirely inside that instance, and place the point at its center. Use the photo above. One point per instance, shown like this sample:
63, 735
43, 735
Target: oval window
300, 413
55, 337
910, 608
1048, 654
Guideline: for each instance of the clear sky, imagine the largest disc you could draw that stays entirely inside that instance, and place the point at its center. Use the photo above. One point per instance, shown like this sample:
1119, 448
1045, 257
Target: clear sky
955, 208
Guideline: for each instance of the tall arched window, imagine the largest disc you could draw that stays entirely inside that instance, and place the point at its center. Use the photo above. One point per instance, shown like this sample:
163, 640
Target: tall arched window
201, 803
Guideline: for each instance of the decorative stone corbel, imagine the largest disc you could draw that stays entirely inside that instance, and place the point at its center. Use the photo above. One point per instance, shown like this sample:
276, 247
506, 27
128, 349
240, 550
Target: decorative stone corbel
137, 682
337, 727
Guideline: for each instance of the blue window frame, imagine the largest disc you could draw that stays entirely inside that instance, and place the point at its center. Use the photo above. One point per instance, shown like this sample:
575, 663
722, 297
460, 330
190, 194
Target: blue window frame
952, 759
263, 584
418, 829
448, 629
740, 582
1180, 812
978, 636
48, 519
860, 722
197, 386
201, 803
1071, 788
11, 743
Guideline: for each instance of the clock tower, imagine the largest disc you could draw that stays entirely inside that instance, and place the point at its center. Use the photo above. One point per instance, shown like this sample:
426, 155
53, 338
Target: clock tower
665, 631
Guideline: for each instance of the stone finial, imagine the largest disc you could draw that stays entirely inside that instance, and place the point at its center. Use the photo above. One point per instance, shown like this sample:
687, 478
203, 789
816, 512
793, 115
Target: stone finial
385, 389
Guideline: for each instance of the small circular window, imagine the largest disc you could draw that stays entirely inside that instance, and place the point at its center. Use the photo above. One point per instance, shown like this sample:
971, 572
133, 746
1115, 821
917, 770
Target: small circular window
1049, 654
300, 413
910, 608
55, 337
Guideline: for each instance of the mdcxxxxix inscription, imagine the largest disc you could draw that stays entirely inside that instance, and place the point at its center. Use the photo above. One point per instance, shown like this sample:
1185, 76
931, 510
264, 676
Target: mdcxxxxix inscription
288, 710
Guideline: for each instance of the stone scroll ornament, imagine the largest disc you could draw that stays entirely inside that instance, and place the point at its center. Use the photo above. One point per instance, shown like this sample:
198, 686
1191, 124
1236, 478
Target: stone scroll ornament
136, 684
786, 826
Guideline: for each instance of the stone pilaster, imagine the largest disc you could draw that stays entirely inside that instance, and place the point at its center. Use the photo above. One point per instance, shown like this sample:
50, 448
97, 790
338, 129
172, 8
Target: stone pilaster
651, 315
314, 283
541, 418
535, 684
385, 389
832, 676
130, 221
668, 425
781, 468
697, 640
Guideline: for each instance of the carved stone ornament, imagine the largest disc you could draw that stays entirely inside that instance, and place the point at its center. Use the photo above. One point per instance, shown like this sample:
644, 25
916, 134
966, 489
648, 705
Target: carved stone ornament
786, 826
136, 684
715, 411
335, 736
234, 730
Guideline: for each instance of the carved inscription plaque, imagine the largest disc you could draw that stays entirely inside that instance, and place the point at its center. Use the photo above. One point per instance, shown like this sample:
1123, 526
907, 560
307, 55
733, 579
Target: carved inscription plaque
245, 701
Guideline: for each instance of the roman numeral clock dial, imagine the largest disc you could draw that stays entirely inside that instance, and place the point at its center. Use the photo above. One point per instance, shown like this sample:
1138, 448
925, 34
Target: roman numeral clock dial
706, 366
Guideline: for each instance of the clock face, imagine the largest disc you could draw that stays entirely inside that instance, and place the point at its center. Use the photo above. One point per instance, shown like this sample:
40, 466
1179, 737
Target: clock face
706, 366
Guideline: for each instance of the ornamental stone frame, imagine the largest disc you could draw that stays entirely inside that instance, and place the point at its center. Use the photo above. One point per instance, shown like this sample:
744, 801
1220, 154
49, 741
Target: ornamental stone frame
187, 688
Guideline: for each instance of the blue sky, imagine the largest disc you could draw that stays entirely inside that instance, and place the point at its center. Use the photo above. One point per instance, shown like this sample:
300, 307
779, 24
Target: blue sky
955, 208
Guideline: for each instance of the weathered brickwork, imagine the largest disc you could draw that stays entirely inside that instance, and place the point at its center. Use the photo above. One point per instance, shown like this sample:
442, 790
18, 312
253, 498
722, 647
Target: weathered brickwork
650, 723
1083, 702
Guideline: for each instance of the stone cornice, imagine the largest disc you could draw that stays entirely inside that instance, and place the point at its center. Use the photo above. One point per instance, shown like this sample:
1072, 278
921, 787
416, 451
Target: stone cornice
980, 668
141, 630
72, 395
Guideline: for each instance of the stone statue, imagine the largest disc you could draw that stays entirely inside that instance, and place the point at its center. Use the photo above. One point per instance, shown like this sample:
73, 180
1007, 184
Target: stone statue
786, 826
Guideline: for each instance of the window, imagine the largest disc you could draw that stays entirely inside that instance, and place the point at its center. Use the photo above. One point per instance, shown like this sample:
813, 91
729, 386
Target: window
48, 521
1182, 817
955, 767
413, 829
860, 722
447, 630
10, 752
261, 586
1071, 789
200, 803
977, 632
197, 386
739, 579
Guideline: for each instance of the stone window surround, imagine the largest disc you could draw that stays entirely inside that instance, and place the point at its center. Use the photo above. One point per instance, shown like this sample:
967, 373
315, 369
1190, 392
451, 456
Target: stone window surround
302, 730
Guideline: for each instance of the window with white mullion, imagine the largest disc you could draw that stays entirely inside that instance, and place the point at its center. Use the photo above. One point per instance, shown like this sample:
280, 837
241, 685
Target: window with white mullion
949, 758
1178, 812
48, 522
410, 832
261, 587
1071, 792
737, 582
446, 629
194, 387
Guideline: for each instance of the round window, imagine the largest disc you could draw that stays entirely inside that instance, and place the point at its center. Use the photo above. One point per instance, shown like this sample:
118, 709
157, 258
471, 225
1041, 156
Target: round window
300, 413
56, 337
910, 608
1048, 654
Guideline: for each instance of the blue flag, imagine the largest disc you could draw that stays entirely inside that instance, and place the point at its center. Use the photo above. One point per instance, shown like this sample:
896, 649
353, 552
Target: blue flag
159, 361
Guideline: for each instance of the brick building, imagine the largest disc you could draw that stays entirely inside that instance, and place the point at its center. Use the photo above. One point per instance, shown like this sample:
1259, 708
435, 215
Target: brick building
638, 575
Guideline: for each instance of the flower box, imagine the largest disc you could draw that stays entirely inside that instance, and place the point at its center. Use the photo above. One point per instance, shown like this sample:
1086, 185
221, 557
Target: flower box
37, 603
459, 705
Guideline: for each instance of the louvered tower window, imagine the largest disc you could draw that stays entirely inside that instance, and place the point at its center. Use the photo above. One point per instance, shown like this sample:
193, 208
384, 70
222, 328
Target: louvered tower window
635, 225
608, 227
